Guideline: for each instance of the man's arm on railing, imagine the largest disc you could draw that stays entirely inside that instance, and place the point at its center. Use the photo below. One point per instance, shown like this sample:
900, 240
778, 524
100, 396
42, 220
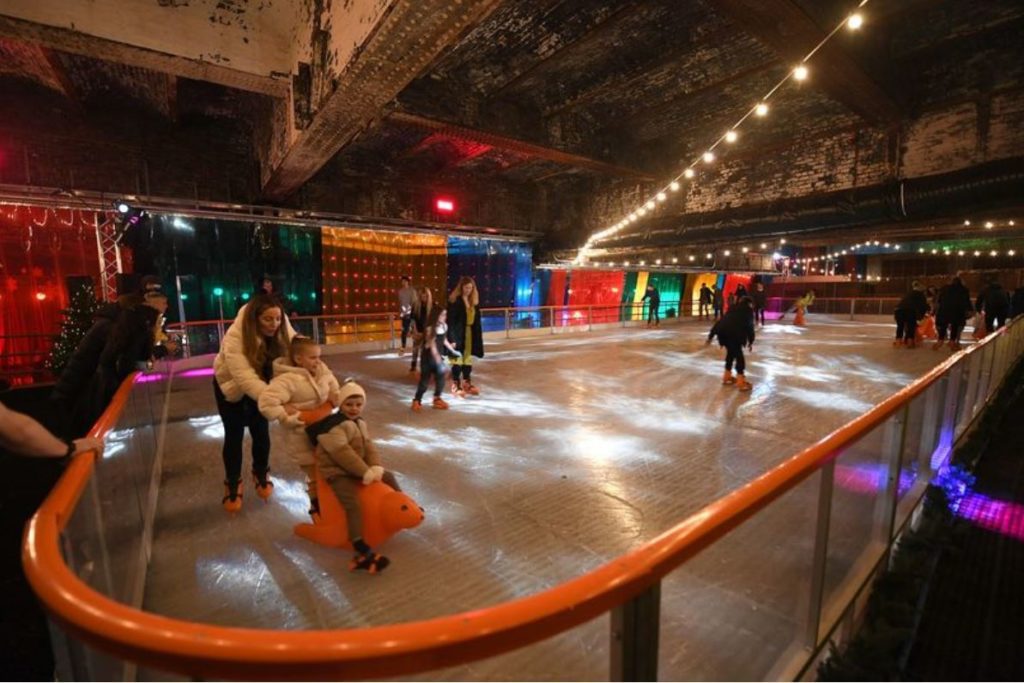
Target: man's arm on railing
20, 434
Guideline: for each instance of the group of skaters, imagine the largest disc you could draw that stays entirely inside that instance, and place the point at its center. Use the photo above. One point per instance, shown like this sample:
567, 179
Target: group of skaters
712, 300
264, 371
943, 313
734, 325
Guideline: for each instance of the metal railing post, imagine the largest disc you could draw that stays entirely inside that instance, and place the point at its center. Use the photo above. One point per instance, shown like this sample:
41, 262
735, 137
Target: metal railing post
820, 560
391, 329
316, 329
879, 307
635, 626
355, 330
590, 318
508, 323
892, 449
853, 307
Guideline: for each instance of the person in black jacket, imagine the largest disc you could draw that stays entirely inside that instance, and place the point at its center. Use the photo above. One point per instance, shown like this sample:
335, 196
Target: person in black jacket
734, 331
654, 295
74, 381
910, 310
705, 301
953, 307
760, 298
1017, 302
465, 332
995, 303
129, 345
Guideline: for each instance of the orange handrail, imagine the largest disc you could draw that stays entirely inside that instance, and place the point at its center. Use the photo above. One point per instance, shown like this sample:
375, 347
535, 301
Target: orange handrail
224, 652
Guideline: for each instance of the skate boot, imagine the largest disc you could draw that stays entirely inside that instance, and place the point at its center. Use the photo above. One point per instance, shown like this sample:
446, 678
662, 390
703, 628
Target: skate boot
469, 389
264, 487
457, 390
232, 500
742, 384
955, 345
440, 403
417, 406
897, 342
727, 377
368, 562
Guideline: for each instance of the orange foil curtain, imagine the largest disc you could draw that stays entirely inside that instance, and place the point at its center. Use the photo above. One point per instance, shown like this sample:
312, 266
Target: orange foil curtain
362, 269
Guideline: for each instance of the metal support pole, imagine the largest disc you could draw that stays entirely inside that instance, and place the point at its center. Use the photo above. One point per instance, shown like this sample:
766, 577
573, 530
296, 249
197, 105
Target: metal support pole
852, 307
817, 596
508, 324
635, 628
391, 329
220, 322
316, 329
892, 450
590, 318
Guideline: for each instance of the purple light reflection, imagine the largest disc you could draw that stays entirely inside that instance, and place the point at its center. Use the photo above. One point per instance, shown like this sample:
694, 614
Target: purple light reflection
153, 377
870, 479
198, 372
1001, 516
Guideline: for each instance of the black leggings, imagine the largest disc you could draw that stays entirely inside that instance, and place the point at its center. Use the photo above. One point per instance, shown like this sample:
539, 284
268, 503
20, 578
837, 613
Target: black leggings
906, 325
236, 417
953, 329
734, 352
652, 313
759, 315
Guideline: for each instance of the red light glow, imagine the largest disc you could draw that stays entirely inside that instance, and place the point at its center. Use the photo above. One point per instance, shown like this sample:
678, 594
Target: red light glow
445, 205
41, 296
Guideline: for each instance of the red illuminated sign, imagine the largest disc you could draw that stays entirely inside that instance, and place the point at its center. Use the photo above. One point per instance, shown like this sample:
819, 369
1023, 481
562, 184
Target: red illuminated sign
445, 205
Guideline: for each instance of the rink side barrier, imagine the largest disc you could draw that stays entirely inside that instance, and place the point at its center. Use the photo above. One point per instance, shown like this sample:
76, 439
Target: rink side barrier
952, 396
383, 330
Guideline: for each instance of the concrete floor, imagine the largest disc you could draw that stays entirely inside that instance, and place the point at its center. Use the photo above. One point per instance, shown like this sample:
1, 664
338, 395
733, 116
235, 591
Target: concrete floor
580, 447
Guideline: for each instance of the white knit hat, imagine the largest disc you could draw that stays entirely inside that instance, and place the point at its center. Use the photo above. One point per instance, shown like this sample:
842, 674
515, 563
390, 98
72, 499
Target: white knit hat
349, 388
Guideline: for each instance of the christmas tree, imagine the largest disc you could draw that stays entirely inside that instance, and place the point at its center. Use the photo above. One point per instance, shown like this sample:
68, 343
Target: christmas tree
77, 321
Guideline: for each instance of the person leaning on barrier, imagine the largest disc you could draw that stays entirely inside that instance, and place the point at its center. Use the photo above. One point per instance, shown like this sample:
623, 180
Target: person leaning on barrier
22, 435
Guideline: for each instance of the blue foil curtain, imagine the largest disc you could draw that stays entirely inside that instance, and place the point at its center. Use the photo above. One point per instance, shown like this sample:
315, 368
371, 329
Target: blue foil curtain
502, 270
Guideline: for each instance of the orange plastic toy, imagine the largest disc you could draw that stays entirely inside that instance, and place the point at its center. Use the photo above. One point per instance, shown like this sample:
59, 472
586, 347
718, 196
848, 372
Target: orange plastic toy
385, 512
799, 319
926, 330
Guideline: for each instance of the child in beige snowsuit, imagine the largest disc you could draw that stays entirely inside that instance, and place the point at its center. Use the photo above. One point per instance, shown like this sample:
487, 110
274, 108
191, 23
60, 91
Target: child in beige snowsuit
348, 460
301, 382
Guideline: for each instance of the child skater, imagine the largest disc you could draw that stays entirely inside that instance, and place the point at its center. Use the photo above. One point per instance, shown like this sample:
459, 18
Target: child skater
421, 307
347, 460
301, 382
734, 330
435, 347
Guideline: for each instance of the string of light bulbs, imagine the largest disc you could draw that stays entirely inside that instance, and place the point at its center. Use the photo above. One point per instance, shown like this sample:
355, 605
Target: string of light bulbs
760, 109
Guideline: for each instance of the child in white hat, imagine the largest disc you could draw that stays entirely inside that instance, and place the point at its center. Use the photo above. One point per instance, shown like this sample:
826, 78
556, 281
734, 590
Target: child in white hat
347, 460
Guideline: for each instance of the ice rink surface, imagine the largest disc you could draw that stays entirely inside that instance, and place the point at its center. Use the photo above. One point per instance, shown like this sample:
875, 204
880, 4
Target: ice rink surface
580, 447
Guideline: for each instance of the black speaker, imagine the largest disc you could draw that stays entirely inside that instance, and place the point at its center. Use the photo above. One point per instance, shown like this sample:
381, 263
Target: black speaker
128, 283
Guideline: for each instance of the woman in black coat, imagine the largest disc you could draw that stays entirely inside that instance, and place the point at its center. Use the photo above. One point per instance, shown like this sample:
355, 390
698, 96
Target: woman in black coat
953, 308
910, 310
466, 333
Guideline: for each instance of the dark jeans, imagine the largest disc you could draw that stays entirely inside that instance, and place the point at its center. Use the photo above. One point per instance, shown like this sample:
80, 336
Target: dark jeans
652, 314
950, 327
406, 323
993, 321
759, 315
718, 311
705, 308
906, 325
430, 369
236, 417
734, 353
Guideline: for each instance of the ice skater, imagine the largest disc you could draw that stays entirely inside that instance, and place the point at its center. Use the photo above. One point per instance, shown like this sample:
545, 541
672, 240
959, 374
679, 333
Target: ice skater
347, 459
654, 295
406, 301
435, 347
760, 298
421, 307
909, 311
953, 307
465, 332
705, 301
301, 382
717, 301
734, 331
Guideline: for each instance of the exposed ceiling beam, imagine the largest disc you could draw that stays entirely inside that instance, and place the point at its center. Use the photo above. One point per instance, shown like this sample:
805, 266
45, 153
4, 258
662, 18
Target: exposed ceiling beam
60, 74
406, 39
667, 58
527, 149
67, 40
783, 26
595, 31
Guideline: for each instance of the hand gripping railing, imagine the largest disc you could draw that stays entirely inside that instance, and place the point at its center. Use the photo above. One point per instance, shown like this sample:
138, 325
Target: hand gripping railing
629, 585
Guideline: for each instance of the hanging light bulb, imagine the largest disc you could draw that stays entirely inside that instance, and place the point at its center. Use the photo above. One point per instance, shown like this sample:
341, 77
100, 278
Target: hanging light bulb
800, 73
855, 21
708, 255
988, 224
641, 211
977, 253
1011, 252
967, 222
690, 257
708, 157
727, 253
661, 196
658, 262
675, 259
689, 173
782, 241
674, 185
731, 136
960, 253
745, 250
761, 109
763, 245
993, 253
649, 204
